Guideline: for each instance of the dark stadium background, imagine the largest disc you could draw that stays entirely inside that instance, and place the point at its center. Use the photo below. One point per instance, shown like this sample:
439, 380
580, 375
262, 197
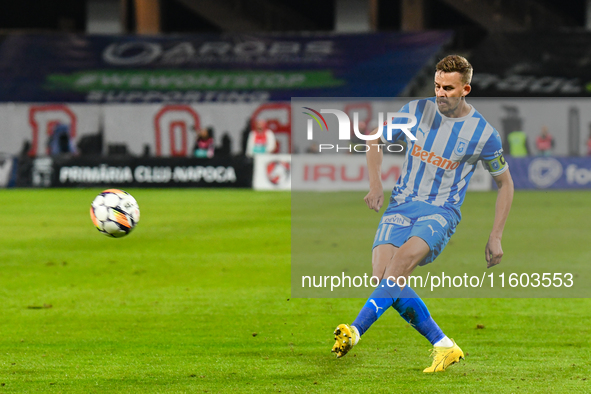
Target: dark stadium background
50, 50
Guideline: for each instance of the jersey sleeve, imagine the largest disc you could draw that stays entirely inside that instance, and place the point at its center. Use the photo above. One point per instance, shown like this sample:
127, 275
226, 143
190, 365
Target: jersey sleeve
492, 155
397, 134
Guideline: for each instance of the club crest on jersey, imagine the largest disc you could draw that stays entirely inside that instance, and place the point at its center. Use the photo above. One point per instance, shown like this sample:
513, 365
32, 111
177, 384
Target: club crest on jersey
461, 147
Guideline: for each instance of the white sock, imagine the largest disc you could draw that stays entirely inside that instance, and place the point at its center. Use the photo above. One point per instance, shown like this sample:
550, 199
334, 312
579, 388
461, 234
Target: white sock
445, 342
357, 336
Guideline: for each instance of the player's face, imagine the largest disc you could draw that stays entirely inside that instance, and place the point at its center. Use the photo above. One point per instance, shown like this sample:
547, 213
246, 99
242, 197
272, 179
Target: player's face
450, 92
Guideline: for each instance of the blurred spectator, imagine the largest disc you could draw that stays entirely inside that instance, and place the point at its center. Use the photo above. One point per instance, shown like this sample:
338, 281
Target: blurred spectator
24, 166
211, 132
225, 149
260, 140
90, 144
117, 150
60, 141
511, 122
204, 145
244, 136
545, 142
518, 146
26, 149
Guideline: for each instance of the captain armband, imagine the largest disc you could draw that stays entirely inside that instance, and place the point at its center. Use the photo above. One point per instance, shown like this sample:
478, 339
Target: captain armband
496, 166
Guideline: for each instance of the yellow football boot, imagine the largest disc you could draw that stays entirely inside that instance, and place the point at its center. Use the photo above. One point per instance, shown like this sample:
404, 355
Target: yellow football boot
443, 357
346, 337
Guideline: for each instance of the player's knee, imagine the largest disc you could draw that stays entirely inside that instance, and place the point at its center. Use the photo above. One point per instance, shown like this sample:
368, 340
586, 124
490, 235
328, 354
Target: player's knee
404, 262
408, 257
383, 254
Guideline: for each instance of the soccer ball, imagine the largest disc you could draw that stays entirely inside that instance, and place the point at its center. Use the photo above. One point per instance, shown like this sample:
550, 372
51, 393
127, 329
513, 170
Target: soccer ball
115, 213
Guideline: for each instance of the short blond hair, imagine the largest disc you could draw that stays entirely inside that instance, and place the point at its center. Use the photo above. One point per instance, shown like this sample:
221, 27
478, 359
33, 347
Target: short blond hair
456, 63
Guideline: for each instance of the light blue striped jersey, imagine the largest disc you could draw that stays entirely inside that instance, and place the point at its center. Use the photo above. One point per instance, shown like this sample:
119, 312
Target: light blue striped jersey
440, 163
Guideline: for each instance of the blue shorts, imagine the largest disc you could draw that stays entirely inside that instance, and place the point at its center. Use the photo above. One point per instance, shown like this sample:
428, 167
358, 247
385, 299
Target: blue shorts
435, 225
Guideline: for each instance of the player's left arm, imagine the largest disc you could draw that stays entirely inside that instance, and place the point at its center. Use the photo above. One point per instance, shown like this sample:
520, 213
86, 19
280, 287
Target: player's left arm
493, 250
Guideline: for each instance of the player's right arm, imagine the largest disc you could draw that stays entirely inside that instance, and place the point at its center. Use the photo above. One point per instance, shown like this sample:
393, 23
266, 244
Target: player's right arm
375, 198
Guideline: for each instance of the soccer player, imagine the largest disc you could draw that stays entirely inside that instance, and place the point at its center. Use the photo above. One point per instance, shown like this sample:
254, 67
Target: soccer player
424, 209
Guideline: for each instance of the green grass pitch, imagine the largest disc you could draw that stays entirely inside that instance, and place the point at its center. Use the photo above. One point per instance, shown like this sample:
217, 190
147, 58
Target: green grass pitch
197, 299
